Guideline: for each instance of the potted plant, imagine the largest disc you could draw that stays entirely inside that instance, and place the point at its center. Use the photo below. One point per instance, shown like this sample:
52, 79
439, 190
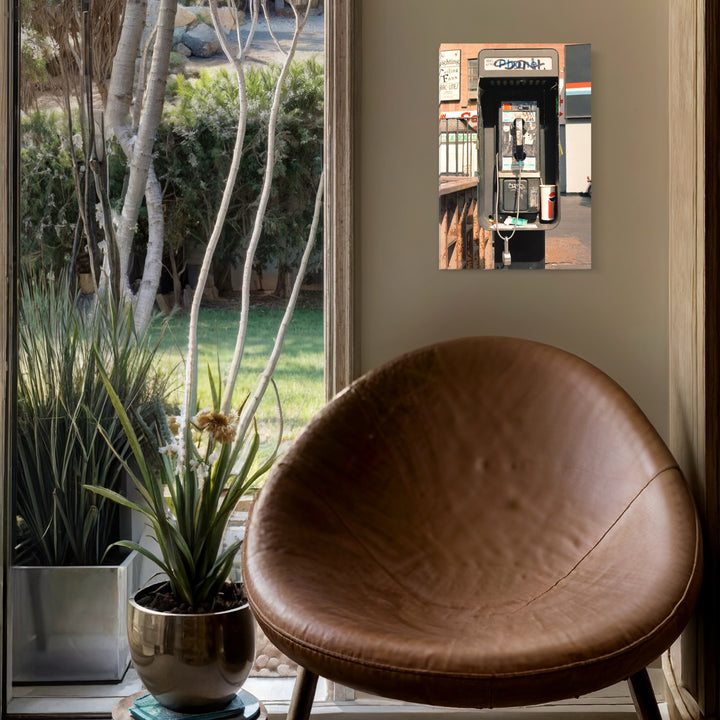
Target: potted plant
62, 531
191, 636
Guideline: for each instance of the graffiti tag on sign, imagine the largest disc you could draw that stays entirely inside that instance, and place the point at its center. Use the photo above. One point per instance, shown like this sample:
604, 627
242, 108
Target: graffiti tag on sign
525, 64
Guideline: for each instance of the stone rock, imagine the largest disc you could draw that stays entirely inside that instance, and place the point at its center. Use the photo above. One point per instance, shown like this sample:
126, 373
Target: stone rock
193, 14
227, 18
178, 34
182, 49
200, 14
202, 40
184, 17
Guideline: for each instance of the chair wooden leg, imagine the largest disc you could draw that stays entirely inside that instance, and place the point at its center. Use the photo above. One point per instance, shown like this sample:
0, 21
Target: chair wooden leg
643, 696
303, 694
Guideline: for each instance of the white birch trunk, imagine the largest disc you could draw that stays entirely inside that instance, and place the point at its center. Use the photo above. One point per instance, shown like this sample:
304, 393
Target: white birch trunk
260, 214
141, 158
253, 402
145, 297
138, 145
191, 360
190, 388
122, 78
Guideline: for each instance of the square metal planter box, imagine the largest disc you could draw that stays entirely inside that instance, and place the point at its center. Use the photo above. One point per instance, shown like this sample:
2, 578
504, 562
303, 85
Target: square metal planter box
69, 624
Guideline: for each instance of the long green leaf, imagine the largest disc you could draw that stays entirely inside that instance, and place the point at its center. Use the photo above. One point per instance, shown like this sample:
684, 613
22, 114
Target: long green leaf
120, 500
143, 551
124, 420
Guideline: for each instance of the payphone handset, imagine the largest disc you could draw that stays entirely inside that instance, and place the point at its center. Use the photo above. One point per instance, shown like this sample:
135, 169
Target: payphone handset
518, 135
518, 131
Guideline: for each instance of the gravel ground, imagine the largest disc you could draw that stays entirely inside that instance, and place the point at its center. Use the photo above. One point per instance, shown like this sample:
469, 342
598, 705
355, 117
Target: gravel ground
264, 50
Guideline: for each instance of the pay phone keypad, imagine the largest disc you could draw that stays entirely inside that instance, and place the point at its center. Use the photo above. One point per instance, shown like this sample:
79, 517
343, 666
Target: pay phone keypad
529, 195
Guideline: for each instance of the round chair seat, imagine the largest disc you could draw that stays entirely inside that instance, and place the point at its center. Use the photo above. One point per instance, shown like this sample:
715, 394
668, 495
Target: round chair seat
486, 522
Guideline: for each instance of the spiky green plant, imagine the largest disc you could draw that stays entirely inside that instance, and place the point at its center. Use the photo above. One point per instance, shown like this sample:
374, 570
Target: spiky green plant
64, 414
188, 500
203, 472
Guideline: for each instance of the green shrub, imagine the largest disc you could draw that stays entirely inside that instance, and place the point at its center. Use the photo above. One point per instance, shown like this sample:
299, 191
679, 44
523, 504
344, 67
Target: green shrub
195, 147
177, 62
48, 205
35, 52
193, 152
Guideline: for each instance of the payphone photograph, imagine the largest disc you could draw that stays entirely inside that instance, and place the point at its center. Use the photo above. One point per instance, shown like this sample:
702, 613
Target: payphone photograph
515, 179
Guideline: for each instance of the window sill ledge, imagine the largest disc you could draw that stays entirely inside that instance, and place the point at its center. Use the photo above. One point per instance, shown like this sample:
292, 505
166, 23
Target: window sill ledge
97, 701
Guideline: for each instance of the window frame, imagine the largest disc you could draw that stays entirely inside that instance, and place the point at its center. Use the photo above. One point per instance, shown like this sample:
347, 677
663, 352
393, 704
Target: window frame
341, 37
693, 43
338, 253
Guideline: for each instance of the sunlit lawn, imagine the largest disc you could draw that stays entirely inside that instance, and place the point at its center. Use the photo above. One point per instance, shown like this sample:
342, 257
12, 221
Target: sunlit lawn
299, 374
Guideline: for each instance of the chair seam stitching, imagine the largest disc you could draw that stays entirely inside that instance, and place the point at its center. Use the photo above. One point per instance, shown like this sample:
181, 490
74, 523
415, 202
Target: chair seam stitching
600, 539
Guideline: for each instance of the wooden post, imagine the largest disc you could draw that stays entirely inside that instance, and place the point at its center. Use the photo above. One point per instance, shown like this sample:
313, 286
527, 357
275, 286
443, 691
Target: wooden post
461, 251
444, 220
453, 232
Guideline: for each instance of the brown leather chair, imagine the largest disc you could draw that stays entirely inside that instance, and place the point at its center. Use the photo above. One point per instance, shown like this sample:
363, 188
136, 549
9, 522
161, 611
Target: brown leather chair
486, 522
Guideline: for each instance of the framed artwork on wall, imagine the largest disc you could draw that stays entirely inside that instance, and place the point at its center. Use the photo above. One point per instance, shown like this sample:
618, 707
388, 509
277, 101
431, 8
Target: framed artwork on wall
514, 161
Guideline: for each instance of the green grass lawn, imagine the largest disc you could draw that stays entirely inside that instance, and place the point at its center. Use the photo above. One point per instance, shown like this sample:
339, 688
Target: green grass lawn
299, 374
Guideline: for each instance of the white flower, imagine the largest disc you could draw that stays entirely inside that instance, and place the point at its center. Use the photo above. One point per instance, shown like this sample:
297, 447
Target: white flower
202, 472
200, 469
169, 449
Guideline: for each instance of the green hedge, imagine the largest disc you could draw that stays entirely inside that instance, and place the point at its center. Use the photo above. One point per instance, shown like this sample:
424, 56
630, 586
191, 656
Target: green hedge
192, 155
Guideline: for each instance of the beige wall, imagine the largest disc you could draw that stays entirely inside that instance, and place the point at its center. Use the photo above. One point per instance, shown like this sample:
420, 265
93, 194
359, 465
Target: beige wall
615, 315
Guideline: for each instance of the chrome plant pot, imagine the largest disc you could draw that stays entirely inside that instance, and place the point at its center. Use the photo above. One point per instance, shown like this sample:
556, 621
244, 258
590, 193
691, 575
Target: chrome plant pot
191, 662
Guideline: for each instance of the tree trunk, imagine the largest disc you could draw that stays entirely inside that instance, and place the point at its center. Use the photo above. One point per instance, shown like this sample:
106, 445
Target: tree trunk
284, 284
122, 78
176, 281
138, 146
222, 272
145, 298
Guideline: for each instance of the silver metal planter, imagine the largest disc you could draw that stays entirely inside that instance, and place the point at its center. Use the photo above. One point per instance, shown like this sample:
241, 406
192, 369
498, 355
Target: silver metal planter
191, 662
69, 624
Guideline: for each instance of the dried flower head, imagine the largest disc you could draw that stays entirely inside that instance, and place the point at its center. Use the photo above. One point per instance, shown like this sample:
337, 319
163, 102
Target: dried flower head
174, 424
221, 427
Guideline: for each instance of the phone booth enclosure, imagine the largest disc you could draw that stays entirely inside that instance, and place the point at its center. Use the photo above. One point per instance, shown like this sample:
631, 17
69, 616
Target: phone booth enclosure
518, 135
